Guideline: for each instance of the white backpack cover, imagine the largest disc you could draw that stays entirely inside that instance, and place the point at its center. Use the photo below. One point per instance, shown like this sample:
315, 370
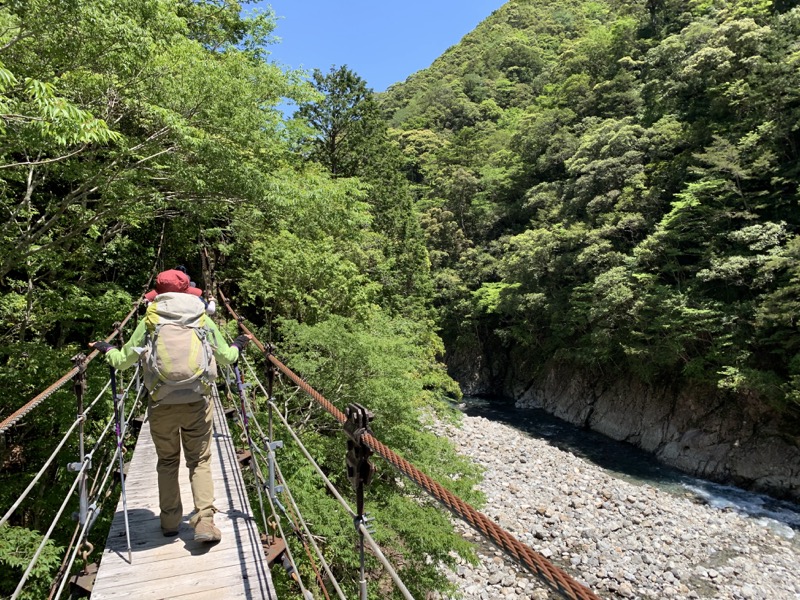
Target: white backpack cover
178, 354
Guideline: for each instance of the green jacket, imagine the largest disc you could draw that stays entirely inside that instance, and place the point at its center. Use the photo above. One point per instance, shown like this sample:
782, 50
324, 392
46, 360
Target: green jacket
129, 353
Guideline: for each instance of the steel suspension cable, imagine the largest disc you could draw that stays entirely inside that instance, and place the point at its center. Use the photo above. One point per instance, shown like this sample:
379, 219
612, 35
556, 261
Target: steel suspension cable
306, 593
50, 459
310, 537
245, 422
58, 448
328, 483
12, 419
259, 475
555, 577
83, 531
63, 569
78, 541
298, 516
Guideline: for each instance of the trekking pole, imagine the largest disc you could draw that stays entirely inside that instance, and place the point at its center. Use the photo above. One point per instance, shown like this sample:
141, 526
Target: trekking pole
119, 432
246, 426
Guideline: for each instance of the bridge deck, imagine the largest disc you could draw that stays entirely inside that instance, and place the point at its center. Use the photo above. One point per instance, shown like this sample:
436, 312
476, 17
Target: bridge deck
179, 567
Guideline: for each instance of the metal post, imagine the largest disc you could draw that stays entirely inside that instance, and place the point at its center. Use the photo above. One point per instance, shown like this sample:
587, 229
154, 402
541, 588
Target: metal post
362, 582
270, 382
120, 341
273, 444
79, 360
359, 472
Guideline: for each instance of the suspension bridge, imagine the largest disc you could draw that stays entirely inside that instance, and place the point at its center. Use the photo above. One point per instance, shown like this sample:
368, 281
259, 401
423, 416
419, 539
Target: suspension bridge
138, 561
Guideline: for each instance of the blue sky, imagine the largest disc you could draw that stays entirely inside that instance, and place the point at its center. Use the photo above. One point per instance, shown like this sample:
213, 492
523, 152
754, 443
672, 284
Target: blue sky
383, 41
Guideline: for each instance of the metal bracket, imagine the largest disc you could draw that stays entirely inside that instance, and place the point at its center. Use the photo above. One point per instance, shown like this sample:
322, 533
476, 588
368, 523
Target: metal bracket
359, 469
278, 489
74, 467
358, 419
366, 521
270, 486
79, 385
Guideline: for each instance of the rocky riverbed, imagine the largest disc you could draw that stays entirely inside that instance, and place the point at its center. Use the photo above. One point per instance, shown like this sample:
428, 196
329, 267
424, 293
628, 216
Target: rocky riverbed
621, 539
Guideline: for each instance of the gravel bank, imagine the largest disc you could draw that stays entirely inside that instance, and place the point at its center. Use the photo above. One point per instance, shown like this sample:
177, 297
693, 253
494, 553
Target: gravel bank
621, 539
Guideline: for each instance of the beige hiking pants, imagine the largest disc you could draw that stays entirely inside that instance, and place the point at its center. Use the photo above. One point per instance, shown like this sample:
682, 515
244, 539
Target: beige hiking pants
189, 426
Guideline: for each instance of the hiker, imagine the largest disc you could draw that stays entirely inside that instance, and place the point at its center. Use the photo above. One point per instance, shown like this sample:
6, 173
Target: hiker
178, 374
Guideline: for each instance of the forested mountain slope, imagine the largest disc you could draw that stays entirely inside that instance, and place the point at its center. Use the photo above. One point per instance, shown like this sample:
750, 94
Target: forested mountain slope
609, 191
596, 203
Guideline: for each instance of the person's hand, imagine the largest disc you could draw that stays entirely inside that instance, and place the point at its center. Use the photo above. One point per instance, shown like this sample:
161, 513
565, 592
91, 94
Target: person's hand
241, 341
101, 347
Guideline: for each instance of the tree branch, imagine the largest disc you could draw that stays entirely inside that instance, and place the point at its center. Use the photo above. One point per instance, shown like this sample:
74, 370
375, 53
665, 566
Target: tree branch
46, 160
13, 41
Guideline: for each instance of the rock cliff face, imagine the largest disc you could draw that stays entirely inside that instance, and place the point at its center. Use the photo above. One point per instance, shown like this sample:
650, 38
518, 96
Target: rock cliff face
705, 432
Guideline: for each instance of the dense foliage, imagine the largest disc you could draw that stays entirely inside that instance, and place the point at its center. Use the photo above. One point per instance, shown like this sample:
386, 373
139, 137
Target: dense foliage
610, 184
135, 132
614, 184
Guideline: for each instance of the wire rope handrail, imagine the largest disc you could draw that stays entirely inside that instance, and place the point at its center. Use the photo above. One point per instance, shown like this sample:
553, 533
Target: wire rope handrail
96, 507
299, 516
241, 412
9, 421
555, 577
271, 455
306, 593
49, 532
84, 530
286, 489
309, 536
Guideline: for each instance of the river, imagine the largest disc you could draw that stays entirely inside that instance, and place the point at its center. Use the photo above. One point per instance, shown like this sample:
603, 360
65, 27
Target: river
631, 464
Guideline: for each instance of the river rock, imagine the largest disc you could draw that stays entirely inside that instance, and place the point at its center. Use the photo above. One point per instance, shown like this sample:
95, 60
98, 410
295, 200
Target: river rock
621, 539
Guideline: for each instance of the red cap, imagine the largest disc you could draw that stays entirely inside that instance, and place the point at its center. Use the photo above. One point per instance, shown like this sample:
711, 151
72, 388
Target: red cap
172, 281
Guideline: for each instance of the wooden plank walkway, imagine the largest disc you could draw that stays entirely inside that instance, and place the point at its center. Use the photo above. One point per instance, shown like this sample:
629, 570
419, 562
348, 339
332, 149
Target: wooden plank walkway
179, 567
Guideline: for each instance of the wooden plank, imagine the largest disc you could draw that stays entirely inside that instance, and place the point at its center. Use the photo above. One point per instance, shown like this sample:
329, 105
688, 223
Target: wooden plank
179, 567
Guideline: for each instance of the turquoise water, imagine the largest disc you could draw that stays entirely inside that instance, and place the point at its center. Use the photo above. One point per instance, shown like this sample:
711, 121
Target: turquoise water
631, 464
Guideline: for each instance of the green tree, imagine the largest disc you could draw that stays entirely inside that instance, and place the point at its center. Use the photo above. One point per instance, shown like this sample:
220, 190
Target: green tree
352, 140
345, 121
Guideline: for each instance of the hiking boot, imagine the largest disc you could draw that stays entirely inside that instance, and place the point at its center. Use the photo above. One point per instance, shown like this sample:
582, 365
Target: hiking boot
206, 532
169, 531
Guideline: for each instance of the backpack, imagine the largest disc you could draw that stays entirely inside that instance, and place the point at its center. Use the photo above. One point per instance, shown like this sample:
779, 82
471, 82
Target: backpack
178, 355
